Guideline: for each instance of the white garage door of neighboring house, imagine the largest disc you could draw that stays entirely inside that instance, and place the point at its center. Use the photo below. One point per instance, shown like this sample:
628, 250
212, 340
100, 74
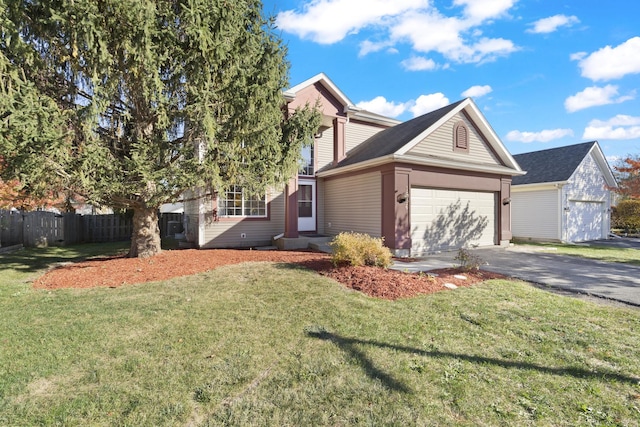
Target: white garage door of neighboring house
584, 221
450, 219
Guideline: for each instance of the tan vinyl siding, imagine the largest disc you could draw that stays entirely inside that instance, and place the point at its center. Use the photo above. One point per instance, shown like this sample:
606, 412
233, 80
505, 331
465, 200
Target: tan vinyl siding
191, 209
191, 203
320, 184
354, 204
226, 233
440, 144
535, 214
324, 149
357, 133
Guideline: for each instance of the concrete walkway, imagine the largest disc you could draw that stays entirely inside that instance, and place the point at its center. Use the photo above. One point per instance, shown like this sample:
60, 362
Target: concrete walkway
614, 281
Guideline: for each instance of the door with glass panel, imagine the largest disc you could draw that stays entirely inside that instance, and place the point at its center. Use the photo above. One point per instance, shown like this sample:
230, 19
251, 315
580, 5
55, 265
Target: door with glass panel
306, 205
307, 189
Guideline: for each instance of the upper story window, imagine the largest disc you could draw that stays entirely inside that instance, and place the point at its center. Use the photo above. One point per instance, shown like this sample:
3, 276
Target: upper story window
461, 137
306, 164
238, 203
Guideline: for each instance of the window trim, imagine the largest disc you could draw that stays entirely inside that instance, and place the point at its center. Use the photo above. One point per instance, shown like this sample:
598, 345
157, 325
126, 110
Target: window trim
221, 197
458, 145
312, 164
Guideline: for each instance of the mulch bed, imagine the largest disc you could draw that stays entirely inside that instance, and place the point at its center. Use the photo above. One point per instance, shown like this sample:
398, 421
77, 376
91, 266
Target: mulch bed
373, 281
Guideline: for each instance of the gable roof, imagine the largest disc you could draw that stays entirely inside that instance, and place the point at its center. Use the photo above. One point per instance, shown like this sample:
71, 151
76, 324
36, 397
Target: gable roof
556, 165
393, 143
348, 107
327, 83
391, 140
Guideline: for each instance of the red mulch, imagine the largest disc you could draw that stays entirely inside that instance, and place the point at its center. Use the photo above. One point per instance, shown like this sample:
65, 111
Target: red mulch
373, 281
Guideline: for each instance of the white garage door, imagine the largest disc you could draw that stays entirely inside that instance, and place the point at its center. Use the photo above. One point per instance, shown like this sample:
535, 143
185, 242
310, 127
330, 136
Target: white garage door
584, 221
448, 219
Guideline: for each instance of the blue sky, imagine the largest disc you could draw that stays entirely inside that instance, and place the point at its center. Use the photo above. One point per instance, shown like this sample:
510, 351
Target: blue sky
545, 73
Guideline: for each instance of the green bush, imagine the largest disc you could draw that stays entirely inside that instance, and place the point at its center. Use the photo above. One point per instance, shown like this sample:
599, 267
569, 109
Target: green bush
467, 260
360, 249
626, 215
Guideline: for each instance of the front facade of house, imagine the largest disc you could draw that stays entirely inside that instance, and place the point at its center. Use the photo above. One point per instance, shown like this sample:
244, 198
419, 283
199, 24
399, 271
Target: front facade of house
438, 182
565, 196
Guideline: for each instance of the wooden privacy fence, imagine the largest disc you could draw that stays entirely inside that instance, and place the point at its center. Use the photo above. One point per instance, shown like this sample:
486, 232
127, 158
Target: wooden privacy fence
50, 229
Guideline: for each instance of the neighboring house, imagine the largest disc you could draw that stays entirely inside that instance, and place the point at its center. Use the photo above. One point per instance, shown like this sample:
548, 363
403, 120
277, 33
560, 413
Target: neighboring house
564, 196
177, 207
440, 181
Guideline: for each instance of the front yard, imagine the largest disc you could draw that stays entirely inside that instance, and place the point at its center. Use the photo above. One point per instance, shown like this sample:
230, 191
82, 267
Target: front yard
276, 344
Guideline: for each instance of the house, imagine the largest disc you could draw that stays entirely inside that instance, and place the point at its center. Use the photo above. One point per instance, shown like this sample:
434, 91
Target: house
564, 196
437, 182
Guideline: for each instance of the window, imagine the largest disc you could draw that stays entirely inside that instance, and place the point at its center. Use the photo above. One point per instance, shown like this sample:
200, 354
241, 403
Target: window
237, 203
306, 164
460, 137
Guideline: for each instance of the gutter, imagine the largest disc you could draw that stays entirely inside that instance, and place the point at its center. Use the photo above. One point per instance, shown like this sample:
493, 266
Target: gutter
502, 170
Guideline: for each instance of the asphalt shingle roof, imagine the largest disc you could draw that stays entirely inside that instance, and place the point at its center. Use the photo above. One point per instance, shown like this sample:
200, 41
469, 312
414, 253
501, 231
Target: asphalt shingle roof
393, 139
552, 165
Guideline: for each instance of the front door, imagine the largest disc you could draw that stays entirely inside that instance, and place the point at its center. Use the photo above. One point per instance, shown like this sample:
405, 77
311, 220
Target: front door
306, 205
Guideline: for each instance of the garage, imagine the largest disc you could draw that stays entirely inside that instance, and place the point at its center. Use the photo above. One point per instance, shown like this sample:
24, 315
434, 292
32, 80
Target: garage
450, 219
585, 220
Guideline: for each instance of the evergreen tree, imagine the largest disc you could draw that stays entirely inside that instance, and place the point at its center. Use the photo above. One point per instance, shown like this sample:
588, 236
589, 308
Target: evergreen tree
129, 103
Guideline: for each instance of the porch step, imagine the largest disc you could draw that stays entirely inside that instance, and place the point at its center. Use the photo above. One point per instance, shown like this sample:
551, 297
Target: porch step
304, 242
321, 246
266, 248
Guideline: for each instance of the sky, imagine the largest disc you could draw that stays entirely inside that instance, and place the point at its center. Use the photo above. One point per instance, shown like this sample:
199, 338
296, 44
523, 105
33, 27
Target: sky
545, 73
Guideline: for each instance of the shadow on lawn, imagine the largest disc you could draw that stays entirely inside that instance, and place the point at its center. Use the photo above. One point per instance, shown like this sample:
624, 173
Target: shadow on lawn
30, 260
349, 346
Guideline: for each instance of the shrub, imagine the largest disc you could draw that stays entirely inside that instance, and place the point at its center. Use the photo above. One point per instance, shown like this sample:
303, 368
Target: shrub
360, 249
468, 260
626, 215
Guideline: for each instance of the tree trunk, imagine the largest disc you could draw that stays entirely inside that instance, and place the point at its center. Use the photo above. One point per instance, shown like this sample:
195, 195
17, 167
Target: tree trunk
145, 238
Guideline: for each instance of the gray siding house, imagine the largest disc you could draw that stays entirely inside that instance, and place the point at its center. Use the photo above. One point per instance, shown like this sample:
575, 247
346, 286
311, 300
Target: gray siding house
564, 196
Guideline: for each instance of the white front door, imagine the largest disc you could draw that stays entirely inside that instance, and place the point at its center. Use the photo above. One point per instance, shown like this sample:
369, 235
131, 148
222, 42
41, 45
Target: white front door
306, 205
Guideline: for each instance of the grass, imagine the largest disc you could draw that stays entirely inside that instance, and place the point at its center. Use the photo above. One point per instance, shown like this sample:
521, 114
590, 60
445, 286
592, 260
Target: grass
603, 253
274, 344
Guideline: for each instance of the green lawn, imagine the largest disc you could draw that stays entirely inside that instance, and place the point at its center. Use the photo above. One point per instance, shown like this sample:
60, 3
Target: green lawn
274, 344
603, 253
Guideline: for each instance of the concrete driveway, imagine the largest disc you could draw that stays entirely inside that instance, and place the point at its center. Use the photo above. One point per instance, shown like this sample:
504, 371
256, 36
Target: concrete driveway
614, 281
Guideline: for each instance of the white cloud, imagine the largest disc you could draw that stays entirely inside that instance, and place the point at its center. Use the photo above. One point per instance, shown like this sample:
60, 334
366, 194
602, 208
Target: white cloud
594, 96
618, 127
419, 63
446, 37
380, 105
329, 21
427, 103
542, 136
456, 37
424, 104
552, 23
480, 10
619, 120
477, 91
578, 56
612, 62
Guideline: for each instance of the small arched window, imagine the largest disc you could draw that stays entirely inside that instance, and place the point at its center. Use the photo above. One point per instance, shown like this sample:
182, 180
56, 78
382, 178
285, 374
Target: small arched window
460, 137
